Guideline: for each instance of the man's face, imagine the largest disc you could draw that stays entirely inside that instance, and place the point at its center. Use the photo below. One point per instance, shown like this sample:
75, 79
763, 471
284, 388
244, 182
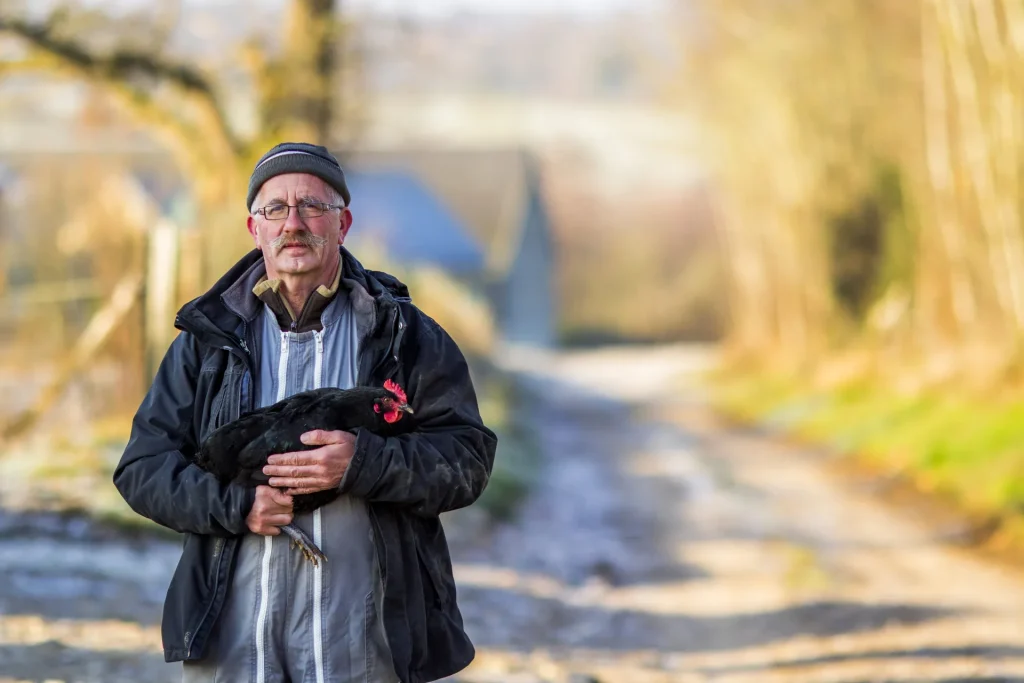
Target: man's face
297, 245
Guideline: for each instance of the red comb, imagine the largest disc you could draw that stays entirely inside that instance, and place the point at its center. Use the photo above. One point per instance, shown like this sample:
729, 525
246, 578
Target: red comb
396, 390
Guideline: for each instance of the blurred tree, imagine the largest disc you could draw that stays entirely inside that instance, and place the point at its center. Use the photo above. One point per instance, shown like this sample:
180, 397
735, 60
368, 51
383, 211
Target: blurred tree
808, 105
295, 88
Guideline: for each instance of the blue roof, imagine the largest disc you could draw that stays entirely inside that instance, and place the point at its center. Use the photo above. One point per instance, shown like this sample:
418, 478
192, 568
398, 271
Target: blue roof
397, 211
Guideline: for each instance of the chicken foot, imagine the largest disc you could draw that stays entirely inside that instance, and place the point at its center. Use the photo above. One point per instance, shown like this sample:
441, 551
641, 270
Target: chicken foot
301, 540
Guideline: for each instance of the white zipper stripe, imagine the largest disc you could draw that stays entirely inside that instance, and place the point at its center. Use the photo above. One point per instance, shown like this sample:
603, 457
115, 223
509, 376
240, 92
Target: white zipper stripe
318, 363
261, 619
268, 541
318, 576
282, 368
318, 587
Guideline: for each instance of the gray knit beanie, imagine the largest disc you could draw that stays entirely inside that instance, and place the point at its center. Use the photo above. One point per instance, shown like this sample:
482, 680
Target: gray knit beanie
297, 157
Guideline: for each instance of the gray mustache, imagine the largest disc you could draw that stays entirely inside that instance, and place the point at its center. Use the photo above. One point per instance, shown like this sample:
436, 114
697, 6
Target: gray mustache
305, 238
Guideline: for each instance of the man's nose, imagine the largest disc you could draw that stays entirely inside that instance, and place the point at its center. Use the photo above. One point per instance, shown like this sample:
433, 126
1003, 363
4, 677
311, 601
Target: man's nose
293, 222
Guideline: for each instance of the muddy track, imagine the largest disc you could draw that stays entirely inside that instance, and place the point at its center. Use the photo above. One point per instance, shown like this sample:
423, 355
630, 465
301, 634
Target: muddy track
659, 545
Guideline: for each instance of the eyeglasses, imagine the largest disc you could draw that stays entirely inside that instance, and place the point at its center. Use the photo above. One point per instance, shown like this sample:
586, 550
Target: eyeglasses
279, 212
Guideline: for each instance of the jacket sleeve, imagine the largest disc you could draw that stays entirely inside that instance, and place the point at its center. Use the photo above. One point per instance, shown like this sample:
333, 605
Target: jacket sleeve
445, 463
154, 475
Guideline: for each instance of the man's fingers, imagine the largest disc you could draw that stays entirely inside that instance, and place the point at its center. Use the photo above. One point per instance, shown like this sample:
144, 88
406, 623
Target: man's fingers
269, 496
272, 509
300, 483
300, 458
279, 519
292, 471
269, 525
303, 491
282, 498
323, 437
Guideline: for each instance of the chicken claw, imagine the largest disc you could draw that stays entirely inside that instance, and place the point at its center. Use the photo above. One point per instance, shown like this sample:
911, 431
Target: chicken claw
304, 543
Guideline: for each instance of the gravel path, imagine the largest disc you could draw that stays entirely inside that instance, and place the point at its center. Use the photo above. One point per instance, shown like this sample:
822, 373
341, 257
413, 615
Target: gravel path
659, 546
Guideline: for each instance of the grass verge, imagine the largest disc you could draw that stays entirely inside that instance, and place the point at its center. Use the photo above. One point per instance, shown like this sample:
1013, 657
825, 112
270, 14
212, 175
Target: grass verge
964, 449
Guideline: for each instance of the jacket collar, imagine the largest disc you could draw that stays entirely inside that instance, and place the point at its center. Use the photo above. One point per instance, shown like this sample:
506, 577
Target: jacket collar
309, 318
230, 302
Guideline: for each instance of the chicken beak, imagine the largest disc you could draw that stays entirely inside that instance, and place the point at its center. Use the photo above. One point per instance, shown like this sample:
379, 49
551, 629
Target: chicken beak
405, 408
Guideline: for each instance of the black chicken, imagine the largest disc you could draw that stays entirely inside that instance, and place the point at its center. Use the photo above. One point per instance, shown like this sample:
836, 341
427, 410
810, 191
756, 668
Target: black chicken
238, 450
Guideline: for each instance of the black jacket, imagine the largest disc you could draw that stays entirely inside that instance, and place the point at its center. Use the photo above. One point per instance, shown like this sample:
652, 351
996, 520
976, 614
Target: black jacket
207, 379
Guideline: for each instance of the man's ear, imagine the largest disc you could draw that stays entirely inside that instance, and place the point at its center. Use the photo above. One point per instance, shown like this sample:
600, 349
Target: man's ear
346, 223
250, 224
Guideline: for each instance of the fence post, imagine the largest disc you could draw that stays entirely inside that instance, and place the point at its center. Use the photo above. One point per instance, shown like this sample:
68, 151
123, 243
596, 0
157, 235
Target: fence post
161, 292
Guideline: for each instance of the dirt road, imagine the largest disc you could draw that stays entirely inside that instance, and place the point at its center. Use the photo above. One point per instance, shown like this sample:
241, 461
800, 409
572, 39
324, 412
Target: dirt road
658, 546
738, 558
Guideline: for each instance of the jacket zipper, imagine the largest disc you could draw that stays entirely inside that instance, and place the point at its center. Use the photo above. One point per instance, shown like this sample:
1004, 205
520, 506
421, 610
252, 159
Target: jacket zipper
268, 541
318, 363
218, 545
378, 538
242, 353
318, 570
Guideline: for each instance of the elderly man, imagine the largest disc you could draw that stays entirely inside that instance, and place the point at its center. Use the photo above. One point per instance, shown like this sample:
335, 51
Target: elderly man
298, 313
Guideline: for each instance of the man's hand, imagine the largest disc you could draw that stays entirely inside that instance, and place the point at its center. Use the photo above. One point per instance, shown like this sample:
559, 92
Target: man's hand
272, 509
311, 471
